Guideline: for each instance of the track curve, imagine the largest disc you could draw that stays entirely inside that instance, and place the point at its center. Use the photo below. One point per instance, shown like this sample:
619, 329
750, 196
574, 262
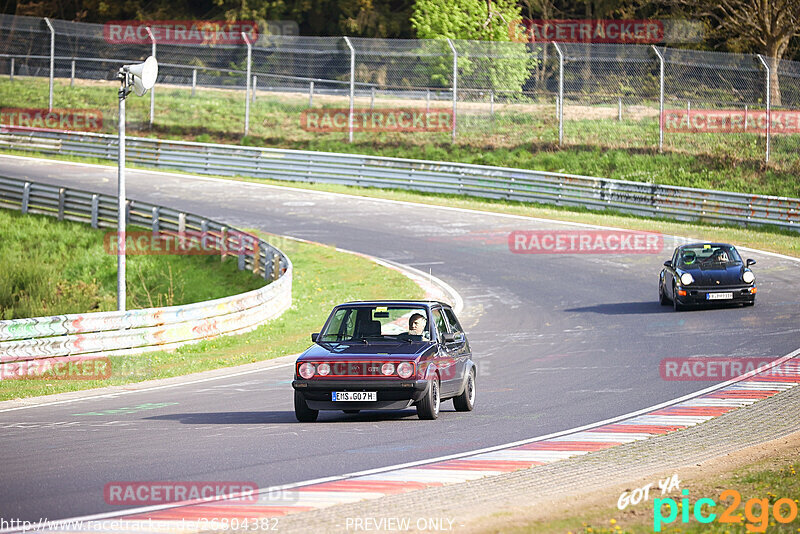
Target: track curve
561, 341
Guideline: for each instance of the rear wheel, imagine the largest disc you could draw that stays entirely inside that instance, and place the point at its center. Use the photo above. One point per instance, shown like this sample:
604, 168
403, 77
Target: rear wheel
303, 413
466, 401
428, 407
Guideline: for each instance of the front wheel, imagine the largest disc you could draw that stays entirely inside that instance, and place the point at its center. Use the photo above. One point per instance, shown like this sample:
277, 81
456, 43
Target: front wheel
428, 407
303, 413
677, 306
662, 298
466, 401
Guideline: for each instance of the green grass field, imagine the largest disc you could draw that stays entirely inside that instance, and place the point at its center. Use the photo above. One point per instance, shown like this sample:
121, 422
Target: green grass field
53, 268
521, 135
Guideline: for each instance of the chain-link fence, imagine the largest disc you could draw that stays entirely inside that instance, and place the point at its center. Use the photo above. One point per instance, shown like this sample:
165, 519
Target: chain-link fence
591, 96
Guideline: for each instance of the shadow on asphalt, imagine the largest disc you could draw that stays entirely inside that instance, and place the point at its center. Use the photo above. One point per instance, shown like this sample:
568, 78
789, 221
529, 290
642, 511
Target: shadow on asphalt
255, 418
624, 308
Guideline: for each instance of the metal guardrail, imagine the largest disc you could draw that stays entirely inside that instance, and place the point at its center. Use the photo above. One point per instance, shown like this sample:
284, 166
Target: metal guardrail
647, 199
81, 336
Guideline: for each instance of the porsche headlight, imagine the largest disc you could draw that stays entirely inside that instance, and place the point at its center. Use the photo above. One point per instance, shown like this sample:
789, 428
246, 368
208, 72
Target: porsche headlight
686, 279
748, 277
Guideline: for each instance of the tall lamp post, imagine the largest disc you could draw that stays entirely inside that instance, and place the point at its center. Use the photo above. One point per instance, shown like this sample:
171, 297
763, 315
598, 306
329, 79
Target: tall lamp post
139, 78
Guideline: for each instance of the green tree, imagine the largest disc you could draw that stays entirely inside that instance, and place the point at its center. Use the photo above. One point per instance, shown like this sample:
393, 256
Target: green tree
504, 64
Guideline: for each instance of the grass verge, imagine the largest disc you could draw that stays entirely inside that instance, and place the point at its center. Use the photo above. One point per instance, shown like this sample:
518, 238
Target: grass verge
52, 267
323, 278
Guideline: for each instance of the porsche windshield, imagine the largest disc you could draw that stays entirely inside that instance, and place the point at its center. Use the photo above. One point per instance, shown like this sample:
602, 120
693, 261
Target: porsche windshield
369, 323
708, 256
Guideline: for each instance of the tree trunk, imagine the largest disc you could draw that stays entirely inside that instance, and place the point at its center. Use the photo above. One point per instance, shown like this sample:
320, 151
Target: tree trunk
773, 55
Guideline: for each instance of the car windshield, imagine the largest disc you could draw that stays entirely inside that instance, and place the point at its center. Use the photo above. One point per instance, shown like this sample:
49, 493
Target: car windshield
375, 323
708, 256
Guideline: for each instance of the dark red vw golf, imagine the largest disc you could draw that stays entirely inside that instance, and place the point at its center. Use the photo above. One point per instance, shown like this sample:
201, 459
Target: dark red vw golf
386, 355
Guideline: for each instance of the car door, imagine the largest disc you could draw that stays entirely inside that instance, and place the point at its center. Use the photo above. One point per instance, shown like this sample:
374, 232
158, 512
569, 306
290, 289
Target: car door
445, 361
459, 349
669, 276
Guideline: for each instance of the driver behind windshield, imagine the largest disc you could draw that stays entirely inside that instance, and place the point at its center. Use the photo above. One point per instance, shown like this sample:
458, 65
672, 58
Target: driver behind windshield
416, 324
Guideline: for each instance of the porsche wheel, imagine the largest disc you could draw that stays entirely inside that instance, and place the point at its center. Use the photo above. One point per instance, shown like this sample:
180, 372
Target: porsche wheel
428, 407
303, 413
662, 298
677, 306
466, 401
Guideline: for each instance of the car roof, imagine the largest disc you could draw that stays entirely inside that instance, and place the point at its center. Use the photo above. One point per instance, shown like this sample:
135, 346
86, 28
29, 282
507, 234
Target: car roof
425, 303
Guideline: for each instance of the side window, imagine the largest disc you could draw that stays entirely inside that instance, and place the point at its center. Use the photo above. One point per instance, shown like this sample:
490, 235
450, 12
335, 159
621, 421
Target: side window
455, 326
438, 321
341, 326
676, 258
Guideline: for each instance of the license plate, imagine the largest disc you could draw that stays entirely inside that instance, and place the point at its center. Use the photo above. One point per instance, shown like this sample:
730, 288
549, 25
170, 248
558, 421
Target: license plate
719, 296
358, 396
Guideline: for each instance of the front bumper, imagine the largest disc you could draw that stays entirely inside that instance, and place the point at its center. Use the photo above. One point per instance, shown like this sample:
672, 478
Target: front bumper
698, 296
392, 394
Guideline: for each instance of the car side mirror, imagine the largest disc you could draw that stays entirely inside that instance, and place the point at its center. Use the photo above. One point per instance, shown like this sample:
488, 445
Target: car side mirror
668, 263
750, 262
314, 337
448, 337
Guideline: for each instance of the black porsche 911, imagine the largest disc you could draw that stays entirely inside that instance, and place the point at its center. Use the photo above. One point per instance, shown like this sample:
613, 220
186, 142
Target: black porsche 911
704, 273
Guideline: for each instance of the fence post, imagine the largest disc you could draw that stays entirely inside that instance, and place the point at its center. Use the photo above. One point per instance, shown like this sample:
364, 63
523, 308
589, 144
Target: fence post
26, 196
455, 86
52, 58
310, 94
660, 99
255, 84
352, 88
247, 81
152, 89
560, 94
11, 73
491, 102
194, 80
72, 74
769, 111
62, 193
619, 109
745, 118
372, 98
427, 100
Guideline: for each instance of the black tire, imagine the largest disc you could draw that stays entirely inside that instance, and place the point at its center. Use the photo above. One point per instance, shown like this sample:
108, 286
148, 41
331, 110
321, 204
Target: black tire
466, 401
662, 298
303, 413
677, 306
351, 411
428, 407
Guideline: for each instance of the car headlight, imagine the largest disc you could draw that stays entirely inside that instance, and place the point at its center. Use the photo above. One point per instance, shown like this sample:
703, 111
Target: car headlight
405, 369
387, 369
323, 369
307, 370
748, 277
686, 279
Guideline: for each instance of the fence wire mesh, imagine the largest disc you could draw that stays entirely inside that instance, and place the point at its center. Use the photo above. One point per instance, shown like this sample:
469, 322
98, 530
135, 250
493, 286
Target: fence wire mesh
507, 93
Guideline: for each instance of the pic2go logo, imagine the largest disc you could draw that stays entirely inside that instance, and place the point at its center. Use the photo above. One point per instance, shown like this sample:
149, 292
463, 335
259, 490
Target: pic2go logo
756, 511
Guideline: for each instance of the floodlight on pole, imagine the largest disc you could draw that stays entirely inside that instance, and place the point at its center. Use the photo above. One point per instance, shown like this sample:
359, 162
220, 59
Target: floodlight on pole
139, 78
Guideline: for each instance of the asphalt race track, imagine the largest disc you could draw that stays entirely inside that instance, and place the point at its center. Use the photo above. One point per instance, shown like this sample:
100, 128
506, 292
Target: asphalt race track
560, 341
